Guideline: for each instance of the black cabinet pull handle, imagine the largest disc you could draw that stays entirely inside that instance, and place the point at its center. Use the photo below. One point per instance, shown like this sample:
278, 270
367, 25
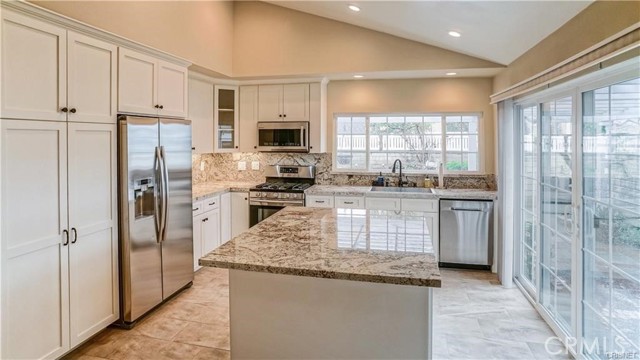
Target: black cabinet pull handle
349, 202
64, 109
196, 209
75, 235
193, 148
157, 106
65, 242
161, 107
205, 219
213, 203
73, 110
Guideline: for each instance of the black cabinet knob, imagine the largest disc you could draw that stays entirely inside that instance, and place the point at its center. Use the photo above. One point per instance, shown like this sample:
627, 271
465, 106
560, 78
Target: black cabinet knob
64, 109
236, 147
255, 147
73, 110
161, 107
193, 148
280, 115
285, 115
157, 106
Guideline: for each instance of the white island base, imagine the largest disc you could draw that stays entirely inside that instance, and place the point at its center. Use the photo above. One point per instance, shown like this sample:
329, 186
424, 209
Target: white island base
277, 316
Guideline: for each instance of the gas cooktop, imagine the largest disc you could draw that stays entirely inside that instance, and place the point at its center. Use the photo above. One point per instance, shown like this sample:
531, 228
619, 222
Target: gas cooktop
282, 186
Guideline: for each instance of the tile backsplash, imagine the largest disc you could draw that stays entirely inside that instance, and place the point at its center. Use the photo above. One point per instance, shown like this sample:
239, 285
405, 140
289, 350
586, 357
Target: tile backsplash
224, 167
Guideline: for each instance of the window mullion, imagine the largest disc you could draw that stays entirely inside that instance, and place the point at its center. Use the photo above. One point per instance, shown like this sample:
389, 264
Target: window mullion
443, 143
367, 145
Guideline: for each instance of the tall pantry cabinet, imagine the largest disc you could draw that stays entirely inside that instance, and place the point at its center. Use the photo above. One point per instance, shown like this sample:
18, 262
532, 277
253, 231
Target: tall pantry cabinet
58, 248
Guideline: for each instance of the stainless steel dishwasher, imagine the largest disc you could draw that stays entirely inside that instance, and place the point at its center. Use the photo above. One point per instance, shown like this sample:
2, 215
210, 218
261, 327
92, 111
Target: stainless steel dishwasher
466, 233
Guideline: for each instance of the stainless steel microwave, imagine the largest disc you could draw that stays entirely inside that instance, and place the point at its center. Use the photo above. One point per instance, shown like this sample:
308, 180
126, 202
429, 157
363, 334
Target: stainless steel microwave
283, 136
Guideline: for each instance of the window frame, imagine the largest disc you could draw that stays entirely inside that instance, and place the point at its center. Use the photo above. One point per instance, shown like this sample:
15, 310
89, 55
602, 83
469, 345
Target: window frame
367, 115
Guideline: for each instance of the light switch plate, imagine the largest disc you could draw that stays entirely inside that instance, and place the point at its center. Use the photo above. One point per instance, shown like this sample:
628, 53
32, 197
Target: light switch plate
242, 165
255, 165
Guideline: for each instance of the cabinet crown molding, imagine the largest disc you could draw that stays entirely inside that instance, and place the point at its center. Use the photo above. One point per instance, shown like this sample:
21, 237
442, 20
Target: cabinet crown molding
68, 23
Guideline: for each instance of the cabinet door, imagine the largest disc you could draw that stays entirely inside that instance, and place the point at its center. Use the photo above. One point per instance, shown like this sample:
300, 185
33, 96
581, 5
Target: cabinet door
270, 103
34, 69
319, 201
93, 294
433, 223
197, 240
248, 108
295, 104
239, 213
210, 231
201, 116
225, 218
35, 277
226, 118
172, 90
382, 204
137, 74
91, 83
317, 119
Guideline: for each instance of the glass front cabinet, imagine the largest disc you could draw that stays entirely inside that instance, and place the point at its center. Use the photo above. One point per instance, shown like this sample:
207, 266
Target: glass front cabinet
226, 118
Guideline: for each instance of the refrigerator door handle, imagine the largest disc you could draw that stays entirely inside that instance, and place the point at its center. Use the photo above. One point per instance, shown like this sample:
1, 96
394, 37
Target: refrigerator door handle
165, 191
157, 194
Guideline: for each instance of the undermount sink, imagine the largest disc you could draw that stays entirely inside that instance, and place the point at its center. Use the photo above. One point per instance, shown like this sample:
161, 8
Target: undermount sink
401, 189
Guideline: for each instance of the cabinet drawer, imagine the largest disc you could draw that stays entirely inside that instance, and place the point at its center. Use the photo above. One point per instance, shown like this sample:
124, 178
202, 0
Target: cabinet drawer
319, 201
349, 202
383, 204
427, 205
211, 203
197, 208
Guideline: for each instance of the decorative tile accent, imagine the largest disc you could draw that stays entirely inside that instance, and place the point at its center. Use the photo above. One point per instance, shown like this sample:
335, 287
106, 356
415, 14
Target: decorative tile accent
224, 167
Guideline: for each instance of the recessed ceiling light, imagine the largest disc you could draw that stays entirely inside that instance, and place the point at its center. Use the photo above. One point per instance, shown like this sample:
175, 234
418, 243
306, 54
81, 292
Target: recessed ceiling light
451, 74
455, 33
354, 8
358, 76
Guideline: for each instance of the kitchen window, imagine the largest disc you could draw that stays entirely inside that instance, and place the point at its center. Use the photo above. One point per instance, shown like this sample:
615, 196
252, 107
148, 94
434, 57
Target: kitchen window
371, 142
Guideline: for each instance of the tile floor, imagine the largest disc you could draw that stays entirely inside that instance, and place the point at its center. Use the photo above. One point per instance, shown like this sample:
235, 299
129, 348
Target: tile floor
475, 318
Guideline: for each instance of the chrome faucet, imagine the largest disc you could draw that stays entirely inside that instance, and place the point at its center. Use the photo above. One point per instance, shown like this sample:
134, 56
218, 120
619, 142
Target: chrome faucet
393, 170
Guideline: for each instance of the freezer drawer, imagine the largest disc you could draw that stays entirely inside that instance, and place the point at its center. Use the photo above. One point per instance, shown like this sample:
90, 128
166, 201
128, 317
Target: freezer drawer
466, 232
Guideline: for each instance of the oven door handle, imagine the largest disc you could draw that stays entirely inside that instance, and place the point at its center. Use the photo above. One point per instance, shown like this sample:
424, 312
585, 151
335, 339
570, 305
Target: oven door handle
276, 202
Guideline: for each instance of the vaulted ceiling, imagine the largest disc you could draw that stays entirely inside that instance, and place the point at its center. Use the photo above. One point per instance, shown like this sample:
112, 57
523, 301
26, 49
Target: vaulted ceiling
497, 31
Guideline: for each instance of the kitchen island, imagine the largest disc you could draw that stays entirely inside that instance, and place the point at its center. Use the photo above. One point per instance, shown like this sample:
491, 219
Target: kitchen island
331, 283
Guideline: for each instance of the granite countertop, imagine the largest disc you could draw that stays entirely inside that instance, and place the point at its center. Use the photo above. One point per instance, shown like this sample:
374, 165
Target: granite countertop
350, 244
207, 189
406, 192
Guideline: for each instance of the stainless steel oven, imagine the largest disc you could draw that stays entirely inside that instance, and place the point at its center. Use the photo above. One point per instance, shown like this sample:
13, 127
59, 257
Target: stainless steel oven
283, 136
262, 209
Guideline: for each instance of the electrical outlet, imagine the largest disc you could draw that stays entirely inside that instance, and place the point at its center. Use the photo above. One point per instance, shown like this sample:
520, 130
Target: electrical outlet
242, 165
201, 165
255, 165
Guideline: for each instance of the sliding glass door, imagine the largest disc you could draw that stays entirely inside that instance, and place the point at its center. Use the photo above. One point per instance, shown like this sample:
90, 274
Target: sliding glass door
611, 218
556, 209
578, 243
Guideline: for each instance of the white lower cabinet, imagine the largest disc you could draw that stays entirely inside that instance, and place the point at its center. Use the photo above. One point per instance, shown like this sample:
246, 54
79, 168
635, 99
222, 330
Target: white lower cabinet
59, 258
225, 218
239, 213
349, 202
206, 227
383, 204
319, 201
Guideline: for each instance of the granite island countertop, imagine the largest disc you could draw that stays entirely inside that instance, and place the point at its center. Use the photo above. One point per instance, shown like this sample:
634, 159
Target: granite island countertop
207, 189
361, 245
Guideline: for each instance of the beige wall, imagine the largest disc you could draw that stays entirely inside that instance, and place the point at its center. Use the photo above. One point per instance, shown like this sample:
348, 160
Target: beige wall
416, 95
597, 22
274, 41
199, 31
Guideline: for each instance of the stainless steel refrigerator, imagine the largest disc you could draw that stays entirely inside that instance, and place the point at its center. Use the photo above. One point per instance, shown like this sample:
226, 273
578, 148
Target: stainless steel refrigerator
156, 233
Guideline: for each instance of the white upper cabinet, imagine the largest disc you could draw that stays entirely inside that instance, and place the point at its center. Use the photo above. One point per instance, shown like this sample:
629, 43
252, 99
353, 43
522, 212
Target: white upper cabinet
92, 71
172, 89
201, 115
226, 118
50, 73
288, 102
34, 68
248, 107
150, 86
137, 74
295, 102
